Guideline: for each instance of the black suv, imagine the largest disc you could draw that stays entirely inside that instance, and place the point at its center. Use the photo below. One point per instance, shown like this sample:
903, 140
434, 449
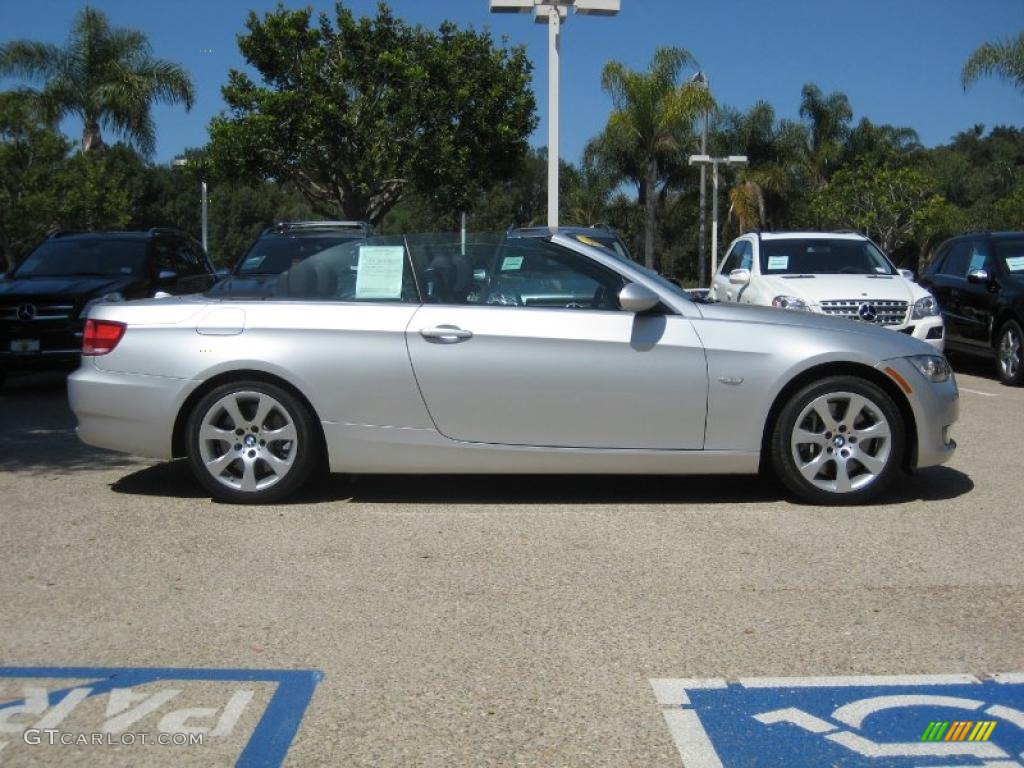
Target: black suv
280, 247
978, 280
45, 299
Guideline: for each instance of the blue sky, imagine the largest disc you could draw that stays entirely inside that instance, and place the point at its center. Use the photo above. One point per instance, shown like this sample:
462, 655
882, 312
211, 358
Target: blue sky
897, 60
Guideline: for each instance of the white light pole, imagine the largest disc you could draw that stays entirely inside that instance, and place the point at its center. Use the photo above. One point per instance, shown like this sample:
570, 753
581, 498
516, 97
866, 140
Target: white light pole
714, 162
701, 79
182, 162
554, 13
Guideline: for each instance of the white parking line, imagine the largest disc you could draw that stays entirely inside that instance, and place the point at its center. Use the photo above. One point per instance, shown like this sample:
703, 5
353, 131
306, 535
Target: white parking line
978, 392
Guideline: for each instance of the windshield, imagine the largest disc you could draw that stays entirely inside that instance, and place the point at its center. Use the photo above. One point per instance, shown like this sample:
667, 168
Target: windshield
273, 254
116, 257
1012, 254
610, 242
822, 256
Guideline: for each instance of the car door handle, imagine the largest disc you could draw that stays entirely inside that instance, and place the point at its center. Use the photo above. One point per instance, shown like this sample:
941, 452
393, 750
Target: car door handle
446, 334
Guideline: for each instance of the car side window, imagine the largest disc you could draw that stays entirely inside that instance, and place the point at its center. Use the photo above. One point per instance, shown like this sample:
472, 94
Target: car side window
191, 258
376, 270
746, 255
741, 256
981, 257
955, 264
164, 255
512, 272
731, 260
934, 266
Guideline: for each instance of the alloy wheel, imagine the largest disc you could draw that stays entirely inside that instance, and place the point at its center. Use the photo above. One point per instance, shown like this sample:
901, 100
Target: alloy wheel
248, 441
1010, 353
841, 442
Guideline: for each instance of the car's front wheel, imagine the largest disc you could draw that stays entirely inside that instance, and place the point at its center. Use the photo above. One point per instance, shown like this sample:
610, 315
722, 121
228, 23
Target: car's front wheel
838, 441
251, 442
1010, 354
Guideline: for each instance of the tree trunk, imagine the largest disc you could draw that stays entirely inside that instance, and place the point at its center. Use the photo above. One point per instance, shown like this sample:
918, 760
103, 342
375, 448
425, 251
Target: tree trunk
91, 138
651, 203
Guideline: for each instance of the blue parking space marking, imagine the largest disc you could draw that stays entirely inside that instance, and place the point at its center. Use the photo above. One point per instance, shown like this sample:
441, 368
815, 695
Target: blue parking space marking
270, 739
924, 721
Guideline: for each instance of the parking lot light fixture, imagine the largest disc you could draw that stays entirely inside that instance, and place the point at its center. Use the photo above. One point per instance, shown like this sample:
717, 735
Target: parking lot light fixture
554, 13
714, 162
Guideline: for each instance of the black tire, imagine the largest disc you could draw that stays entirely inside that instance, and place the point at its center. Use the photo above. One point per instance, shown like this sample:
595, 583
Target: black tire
279, 445
1010, 354
878, 440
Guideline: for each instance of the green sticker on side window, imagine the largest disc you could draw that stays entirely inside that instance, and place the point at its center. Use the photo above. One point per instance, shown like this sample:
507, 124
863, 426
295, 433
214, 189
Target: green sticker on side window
511, 263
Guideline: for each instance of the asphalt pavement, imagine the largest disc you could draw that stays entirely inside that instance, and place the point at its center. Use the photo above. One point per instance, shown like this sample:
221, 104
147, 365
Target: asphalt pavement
474, 621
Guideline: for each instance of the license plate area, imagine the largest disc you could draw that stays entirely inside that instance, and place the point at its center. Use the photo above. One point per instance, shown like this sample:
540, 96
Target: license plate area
24, 346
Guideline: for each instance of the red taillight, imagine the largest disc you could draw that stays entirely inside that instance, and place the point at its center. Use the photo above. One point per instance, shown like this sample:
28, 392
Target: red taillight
101, 336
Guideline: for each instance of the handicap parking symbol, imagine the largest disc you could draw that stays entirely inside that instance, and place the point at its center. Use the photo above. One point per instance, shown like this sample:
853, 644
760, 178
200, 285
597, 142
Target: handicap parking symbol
103, 715
901, 721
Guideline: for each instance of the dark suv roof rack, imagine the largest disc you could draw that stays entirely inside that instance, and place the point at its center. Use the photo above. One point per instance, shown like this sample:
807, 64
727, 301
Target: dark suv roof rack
288, 226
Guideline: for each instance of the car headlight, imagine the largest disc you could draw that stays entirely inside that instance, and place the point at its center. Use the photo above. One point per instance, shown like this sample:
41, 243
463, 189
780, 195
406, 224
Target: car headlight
107, 297
791, 302
932, 367
926, 307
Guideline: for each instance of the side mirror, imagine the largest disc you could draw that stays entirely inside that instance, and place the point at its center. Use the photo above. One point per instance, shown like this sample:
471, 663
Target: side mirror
739, 276
480, 275
221, 272
165, 276
637, 298
978, 276
908, 274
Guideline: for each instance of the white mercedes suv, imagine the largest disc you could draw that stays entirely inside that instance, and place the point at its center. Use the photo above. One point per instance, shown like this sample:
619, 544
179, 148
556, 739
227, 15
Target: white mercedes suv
833, 273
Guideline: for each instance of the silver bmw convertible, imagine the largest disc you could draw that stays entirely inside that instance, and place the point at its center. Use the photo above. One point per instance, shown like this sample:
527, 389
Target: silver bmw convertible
504, 354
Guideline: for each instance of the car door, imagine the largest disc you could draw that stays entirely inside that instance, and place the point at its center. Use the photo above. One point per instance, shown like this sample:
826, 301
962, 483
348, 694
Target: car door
978, 300
947, 284
740, 256
541, 355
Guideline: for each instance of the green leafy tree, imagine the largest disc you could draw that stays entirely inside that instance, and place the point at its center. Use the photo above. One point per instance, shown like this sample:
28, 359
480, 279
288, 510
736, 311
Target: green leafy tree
888, 204
105, 75
359, 112
31, 159
1005, 59
653, 117
95, 192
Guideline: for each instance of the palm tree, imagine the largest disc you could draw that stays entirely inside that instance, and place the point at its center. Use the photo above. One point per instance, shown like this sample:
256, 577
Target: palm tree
105, 75
828, 119
1005, 59
653, 115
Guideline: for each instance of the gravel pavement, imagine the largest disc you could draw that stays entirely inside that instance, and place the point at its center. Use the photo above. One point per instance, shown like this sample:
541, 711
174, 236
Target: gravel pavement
488, 621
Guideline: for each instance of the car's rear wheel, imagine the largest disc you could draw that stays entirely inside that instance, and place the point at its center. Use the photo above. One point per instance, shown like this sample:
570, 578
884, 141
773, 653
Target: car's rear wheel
1010, 354
251, 442
838, 441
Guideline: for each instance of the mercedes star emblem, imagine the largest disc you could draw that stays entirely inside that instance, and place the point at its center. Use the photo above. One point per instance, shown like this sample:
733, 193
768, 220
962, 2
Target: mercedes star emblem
27, 312
867, 312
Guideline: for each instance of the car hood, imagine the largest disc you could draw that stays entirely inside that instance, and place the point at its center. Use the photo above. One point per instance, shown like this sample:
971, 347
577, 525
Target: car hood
76, 287
817, 288
882, 342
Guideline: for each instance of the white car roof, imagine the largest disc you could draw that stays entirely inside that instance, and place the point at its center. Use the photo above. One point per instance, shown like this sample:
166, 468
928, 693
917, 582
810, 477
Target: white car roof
812, 236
